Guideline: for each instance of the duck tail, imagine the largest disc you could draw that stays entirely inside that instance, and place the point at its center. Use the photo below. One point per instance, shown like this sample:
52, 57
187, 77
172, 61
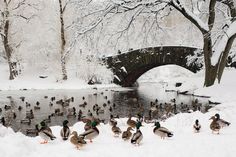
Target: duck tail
170, 134
133, 141
227, 123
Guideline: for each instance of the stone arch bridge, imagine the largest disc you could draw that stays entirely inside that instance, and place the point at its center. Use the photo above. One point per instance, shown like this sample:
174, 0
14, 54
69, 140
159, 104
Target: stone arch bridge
128, 67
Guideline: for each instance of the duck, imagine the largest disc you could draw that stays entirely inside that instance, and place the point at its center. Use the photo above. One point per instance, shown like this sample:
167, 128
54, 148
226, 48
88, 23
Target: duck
116, 130
112, 121
137, 136
161, 131
91, 133
65, 131
215, 126
127, 134
76, 140
26, 121
221, 122
196, 126
131, 122
44, 132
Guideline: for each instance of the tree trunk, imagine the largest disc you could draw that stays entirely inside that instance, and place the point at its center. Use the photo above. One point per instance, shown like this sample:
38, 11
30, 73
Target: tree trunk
210, 71
8, 50
63, 43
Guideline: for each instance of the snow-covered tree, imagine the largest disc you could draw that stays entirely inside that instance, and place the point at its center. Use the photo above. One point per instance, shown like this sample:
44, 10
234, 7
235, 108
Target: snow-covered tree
214, 19
11, 12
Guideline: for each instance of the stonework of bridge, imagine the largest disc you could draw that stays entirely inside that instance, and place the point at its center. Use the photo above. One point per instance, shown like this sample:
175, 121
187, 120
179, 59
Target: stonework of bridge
128, 67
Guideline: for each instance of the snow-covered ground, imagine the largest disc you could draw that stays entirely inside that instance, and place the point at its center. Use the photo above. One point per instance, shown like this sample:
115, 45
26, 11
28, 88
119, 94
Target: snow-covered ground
183, 143
30, 80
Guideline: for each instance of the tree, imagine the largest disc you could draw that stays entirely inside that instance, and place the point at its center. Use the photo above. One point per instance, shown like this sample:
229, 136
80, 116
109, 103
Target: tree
9, 10
202, 14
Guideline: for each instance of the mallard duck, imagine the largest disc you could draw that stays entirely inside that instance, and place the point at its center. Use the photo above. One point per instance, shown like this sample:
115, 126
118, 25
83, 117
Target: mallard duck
221, 122
196, 126
112, 121
91, 133
78, 141
116, 130
65, 131
44, 132
131, 122
215, 126
127, 134
137, 136
161, 131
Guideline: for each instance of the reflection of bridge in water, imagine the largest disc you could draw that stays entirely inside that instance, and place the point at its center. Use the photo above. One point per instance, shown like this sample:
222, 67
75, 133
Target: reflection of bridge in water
128, 67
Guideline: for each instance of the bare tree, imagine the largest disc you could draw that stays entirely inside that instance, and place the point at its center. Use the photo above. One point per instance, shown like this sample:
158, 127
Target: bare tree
10, 9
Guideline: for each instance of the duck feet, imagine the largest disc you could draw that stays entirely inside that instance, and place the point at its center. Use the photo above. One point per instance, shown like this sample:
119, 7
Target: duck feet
44, 142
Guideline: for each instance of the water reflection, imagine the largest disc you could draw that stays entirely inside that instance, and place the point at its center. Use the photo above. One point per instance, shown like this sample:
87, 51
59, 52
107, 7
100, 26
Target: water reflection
23, 109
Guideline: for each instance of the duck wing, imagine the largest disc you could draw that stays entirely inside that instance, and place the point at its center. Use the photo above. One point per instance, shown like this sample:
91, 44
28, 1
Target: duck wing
136, 136
166, 131
48, 133
223, 123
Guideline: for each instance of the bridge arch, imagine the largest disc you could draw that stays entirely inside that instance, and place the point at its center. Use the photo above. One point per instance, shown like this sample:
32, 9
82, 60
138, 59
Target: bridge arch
128, 67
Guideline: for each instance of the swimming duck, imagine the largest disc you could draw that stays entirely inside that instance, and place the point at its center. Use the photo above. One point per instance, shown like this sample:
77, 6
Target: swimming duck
91, 133
196, 126
78, 141
215, 126
161, 131
221, 122
65, 131
116, 130
137, 136
44, 132
131, 122
127, 134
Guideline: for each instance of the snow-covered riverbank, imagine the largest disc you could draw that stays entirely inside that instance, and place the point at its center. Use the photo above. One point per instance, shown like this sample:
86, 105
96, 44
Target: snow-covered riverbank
183, 143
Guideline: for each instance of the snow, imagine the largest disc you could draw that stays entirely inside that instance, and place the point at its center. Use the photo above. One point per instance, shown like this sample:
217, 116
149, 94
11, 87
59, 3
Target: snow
31, 80
183, 143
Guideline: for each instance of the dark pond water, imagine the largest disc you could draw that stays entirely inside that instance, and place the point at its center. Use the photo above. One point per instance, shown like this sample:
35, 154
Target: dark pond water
119, 102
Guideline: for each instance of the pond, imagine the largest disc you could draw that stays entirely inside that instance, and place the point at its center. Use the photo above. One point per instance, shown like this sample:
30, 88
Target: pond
150, 99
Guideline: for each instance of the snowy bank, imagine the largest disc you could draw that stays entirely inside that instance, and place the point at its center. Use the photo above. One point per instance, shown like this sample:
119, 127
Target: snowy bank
184, 143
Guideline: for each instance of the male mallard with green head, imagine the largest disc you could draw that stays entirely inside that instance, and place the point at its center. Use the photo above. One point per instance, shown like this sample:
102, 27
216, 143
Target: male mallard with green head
127, 134
44, 132
91, 133
215, 126
78, 141
196, 126
161, 131
137, 136
65, 131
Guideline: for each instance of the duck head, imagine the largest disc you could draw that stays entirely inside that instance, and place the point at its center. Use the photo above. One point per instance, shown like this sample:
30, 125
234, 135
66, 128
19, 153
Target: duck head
94, 124
65, 123
129, 128
157, 124
138, 125
217, 115
196, 122
74, 133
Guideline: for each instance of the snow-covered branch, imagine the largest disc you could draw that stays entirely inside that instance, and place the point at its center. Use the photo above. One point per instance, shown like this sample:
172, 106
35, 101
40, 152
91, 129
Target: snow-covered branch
221, 45
180, 6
